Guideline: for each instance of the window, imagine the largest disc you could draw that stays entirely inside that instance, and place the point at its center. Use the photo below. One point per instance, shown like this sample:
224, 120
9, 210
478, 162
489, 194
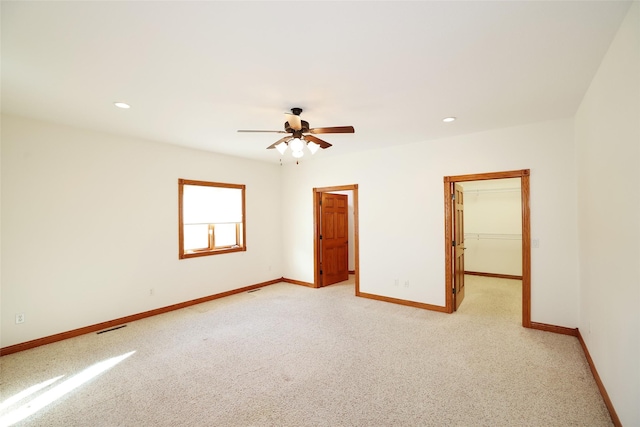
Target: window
211, 218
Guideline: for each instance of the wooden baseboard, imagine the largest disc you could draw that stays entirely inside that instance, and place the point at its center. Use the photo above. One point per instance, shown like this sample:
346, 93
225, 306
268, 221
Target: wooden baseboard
111, 323
603, 391
555, 329
576, 333
496, 275
403, 302
298, 282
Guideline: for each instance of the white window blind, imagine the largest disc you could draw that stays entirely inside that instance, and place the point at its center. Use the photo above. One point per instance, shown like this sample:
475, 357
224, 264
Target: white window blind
211, 205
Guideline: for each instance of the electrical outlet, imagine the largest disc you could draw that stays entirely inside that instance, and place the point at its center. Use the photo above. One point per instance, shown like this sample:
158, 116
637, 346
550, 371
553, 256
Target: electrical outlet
535, 243
397, 282
151, 292
19, 318
406, 283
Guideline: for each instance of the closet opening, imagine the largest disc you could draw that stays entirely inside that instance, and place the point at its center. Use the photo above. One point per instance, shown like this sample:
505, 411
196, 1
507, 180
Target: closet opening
459, 239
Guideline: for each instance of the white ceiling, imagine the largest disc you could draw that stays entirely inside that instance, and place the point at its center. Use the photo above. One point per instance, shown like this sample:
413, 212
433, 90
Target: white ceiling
195, 72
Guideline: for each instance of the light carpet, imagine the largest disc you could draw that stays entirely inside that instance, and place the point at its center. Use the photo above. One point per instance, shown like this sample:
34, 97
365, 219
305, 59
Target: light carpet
287, 355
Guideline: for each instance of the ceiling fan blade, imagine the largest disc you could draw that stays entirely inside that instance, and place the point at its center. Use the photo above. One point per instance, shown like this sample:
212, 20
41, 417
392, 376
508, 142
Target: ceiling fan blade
285, 139
294, 121
270, 131
335, 129
321, 143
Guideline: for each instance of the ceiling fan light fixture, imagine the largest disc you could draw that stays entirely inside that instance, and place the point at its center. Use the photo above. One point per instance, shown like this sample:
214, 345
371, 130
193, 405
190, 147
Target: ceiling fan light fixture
296, 145
297, 154
313, 147
282, 147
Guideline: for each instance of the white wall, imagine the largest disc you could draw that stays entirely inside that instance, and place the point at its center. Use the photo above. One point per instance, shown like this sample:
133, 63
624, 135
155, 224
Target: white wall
90, 225
493, 226
607, 129
401, 212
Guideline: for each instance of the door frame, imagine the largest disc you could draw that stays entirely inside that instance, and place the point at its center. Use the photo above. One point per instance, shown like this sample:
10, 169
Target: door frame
317, 196
523, 174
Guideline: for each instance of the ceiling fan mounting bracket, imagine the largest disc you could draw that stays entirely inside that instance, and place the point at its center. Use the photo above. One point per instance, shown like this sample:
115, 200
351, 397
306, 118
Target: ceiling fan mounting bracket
296, 111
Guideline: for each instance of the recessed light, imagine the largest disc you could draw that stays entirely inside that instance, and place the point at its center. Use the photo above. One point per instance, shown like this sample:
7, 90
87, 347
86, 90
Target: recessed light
448, 119
121, 105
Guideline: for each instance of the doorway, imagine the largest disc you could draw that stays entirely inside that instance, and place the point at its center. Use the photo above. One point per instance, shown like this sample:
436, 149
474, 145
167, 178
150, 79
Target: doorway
454, 250
320, 279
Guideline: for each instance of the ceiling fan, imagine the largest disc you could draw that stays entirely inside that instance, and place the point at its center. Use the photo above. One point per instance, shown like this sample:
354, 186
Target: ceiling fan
301, 135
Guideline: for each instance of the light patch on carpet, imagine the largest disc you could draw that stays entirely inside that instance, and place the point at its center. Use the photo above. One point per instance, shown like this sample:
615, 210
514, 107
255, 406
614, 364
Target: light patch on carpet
55, 393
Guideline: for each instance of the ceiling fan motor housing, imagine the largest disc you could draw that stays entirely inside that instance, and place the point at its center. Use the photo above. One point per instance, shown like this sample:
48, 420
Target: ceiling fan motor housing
304, 129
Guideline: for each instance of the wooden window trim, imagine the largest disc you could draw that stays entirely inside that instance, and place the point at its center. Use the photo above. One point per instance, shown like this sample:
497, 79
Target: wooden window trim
241, 228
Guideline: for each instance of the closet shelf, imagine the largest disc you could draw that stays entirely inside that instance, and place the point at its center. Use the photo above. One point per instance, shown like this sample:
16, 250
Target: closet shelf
492, 236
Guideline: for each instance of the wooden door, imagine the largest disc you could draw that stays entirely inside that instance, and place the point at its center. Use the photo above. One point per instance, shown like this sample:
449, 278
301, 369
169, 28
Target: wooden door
458, 245
334, 261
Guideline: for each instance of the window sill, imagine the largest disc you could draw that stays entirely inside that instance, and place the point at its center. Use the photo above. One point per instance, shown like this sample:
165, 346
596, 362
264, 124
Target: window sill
213, 252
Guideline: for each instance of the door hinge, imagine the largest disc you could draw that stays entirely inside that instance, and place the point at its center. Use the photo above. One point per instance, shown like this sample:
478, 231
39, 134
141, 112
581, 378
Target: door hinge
454, 290
453, 196
453, 243
320, 271
320, 202
321, 237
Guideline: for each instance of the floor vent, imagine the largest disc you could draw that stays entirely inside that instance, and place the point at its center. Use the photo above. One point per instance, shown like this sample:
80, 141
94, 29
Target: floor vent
112, 329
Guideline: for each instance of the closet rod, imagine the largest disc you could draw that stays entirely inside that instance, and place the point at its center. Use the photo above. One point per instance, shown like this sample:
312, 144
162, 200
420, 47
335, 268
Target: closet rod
492, 190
